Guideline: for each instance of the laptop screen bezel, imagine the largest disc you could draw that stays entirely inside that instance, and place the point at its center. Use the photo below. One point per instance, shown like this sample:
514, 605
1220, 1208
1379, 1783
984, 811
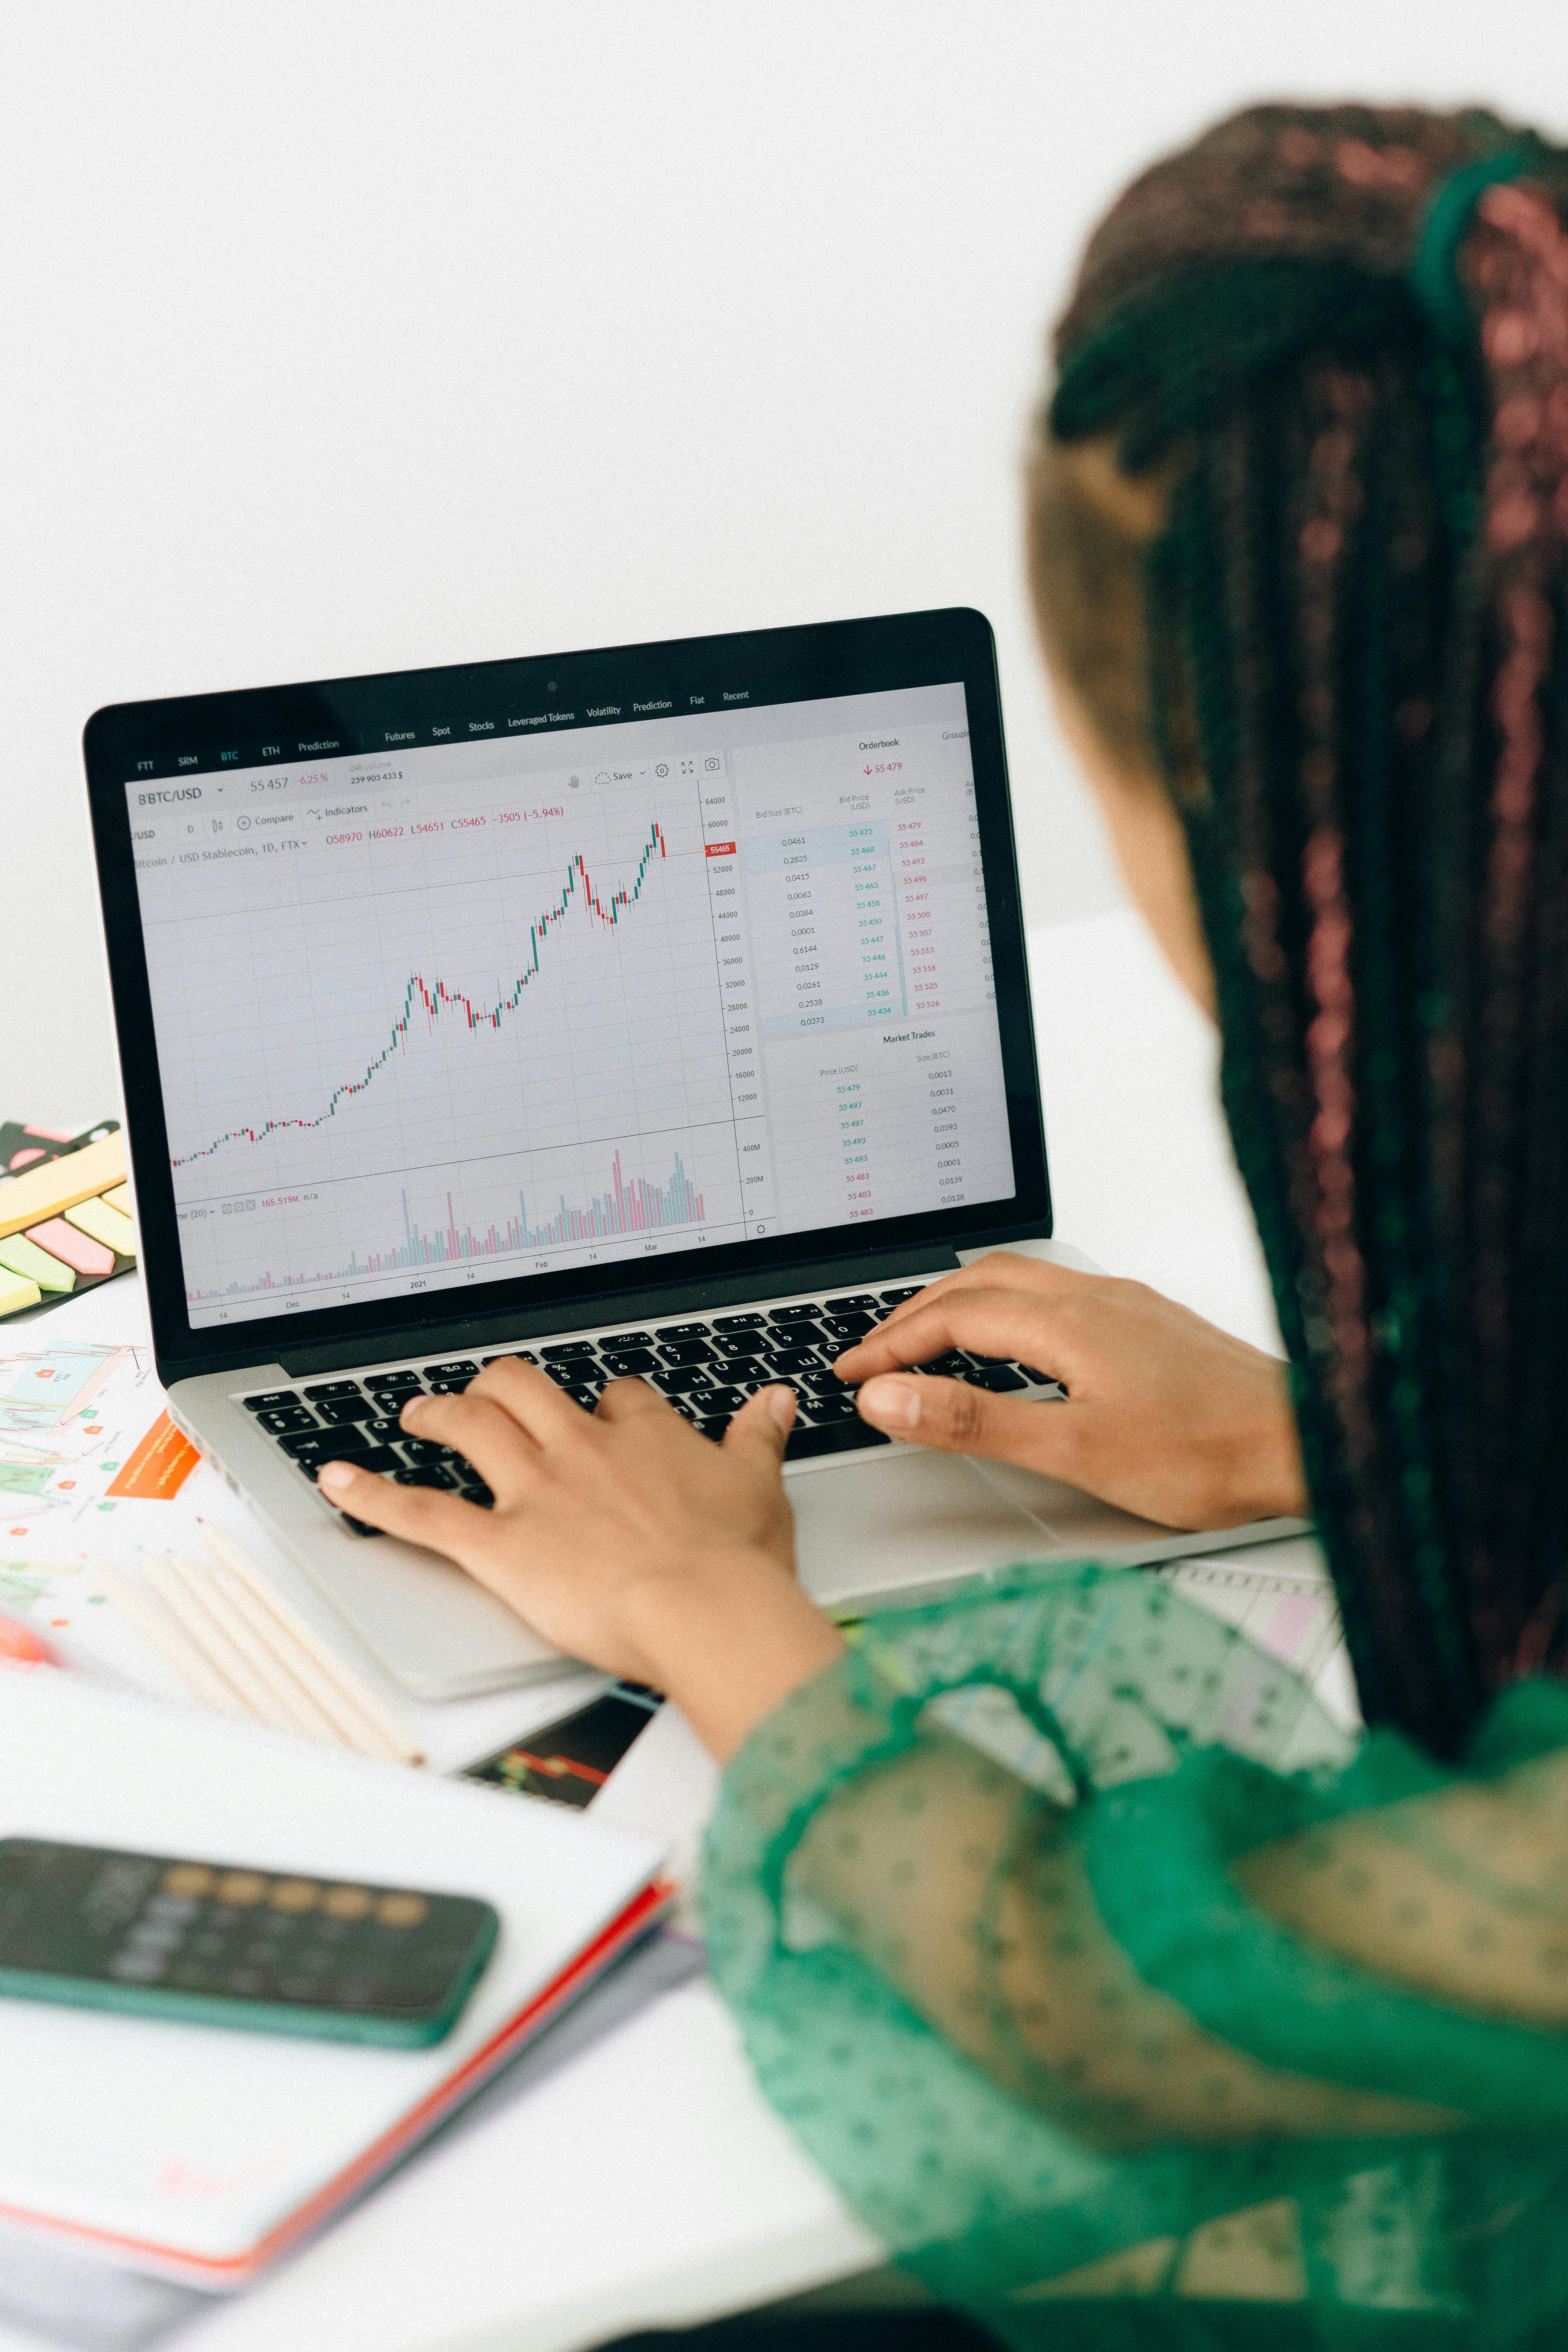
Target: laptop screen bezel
773, 665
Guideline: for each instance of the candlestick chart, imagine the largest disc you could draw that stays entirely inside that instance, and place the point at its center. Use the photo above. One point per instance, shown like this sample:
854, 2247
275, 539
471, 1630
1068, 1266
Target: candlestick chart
435, 1000
539, 1067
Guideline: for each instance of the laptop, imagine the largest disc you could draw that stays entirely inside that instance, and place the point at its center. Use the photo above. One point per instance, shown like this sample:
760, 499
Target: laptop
656, 1010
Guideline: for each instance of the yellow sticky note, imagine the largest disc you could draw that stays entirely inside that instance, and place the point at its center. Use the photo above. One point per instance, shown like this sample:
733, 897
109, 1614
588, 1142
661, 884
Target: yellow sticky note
25, 1259
104, 1224
39, 1193
120, 1198
15, 1294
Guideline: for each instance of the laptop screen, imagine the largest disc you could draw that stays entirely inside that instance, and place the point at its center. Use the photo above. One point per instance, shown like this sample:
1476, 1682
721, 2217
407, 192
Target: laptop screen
467, 1002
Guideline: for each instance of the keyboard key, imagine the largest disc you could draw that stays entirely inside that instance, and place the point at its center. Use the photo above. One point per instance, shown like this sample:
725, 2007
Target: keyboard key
736, 1343
429, 1473
463, 1369
826, 1409
450, 1387
326, 1445
722, 1400
357, 1526
897, 1297
566, 1351
945, 1368
998, 1378
848, 1327
783, 1362
513, 1356
394, 1400
378, 1380
838, 1437
805, 1313
682, 1379
683, 1331
349, 1408
737, 1322
382, 1430
687, 1351
480, 1494
861, 1304
333, 1389
374, 1457
627, 1360
1041, 1379
581, 1394
422, 1449
745, 1372
822, 1384
713, 1426
273, 1401
286, 1420
619, 1340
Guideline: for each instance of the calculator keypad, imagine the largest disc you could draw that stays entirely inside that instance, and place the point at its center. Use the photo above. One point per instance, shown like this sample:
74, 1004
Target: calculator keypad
153, 1925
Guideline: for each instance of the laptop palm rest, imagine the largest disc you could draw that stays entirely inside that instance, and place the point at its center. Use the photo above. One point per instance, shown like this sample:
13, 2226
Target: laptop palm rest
907, 1526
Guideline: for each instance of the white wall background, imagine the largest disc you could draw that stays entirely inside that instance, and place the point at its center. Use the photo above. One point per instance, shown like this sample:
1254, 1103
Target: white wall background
348, 334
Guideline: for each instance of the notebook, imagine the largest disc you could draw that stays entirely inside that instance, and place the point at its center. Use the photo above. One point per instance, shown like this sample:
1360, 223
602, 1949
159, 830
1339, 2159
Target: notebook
200, 2154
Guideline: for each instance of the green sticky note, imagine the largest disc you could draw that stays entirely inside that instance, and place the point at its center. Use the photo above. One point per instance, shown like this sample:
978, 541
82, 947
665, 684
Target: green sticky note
19, 1256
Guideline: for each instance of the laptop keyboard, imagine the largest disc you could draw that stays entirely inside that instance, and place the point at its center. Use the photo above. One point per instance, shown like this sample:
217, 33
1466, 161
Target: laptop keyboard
707, 1367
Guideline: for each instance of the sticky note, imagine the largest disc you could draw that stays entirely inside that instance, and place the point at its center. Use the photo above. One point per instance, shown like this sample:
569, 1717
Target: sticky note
15, 1294
19, 1256
120, 1198
56, 1185
159, 1467
106, 1225
88, 1256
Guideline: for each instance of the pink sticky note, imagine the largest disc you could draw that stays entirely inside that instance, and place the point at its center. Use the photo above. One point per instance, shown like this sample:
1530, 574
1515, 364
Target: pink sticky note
79, 1250
21, 1159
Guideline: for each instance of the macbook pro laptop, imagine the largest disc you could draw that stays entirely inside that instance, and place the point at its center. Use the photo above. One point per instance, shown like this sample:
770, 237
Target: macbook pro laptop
660, 1010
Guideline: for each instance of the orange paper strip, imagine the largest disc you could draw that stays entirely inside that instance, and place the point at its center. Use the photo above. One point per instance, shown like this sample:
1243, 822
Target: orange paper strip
159, 1467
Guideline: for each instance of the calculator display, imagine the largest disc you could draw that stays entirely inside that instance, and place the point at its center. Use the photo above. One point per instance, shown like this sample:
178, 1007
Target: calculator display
220, 1944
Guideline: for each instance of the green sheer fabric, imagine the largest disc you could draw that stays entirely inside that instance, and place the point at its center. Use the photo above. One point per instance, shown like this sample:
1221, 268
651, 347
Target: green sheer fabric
1131, 1999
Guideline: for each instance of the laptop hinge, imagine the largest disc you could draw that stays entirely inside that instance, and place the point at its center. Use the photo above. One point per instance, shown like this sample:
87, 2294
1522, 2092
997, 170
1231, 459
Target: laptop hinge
464, 1335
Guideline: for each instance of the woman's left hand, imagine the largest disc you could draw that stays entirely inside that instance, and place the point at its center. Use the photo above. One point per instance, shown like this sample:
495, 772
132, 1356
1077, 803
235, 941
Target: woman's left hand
623, 1536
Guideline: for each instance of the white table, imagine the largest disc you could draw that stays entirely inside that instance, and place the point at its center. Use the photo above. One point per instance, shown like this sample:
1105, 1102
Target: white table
647, 2182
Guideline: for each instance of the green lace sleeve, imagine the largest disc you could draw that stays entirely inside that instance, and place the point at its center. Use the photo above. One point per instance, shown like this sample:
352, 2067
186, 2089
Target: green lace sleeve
1115, 1985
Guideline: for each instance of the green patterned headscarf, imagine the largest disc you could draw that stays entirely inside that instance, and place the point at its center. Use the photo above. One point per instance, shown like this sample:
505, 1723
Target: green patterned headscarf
1357, 322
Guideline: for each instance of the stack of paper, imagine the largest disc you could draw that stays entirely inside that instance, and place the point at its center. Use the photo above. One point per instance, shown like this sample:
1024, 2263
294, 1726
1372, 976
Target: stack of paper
201, 2154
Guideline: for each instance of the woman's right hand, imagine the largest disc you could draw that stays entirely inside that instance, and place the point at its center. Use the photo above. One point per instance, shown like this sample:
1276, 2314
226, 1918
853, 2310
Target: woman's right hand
1164, 1415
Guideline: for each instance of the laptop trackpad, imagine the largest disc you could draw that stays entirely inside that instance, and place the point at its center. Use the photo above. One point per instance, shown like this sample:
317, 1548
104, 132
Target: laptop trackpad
901, 1519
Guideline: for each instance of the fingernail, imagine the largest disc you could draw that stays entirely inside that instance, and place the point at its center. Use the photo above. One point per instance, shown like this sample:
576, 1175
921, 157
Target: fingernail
781, 1404
414, 1404
334, 1474
891, 1402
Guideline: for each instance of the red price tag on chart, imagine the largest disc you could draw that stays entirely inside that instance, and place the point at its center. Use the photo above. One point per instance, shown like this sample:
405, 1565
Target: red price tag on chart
720, 849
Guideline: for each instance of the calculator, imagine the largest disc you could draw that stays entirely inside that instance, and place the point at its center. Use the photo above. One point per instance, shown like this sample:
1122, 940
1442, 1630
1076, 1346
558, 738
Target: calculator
214, 1943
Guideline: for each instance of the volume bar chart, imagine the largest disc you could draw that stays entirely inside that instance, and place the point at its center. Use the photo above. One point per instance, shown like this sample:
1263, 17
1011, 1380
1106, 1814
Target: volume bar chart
629, 1207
